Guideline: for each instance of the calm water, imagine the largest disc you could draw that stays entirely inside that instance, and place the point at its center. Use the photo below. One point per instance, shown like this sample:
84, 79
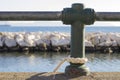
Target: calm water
57, 29
46, 62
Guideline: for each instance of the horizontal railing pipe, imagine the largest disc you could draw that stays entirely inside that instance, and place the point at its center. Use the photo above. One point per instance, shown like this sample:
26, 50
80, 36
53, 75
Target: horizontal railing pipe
107, 16
52, 16
30, 16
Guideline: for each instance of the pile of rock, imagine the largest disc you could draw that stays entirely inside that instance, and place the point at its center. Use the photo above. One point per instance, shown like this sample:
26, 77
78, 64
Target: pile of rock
56, 41
104, 42
43, 41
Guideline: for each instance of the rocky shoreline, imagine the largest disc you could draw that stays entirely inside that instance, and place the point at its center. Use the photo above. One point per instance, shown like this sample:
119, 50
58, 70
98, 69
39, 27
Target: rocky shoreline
57, 42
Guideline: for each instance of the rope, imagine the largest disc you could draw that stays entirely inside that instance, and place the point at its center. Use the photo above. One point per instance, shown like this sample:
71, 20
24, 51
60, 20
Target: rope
71, 60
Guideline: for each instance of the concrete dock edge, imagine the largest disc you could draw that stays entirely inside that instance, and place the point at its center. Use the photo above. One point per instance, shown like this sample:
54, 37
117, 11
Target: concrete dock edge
57, 76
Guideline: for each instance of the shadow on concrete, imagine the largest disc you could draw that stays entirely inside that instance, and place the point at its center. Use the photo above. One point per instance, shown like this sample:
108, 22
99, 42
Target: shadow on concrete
48, 76
58, 76
53, 76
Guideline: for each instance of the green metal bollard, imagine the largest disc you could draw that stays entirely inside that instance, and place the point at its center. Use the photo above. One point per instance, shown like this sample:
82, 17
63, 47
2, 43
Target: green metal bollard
77, 16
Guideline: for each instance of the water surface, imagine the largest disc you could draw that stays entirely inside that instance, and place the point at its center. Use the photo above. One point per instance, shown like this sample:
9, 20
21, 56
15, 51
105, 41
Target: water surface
46, 62
57, 29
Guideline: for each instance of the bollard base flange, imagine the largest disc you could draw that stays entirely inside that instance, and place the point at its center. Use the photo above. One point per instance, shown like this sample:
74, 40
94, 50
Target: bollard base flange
75, 70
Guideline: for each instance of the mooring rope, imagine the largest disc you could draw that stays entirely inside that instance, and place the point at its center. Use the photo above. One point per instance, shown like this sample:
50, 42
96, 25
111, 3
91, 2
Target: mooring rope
71, 60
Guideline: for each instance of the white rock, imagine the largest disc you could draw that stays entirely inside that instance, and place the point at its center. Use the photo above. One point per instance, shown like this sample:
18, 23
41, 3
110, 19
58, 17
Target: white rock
59, 39
63, 41
107, 43
88, 35
55, 41
20, 40
104, 38
114, 43
88, 44
29, 39
115, 37
95, 40
10, 41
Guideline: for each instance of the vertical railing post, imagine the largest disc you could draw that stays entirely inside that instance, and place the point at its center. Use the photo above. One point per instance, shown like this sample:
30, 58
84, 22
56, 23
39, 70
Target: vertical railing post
77, 16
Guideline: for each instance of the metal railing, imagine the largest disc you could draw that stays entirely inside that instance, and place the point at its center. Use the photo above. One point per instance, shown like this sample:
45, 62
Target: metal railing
30, 16
52, 16
76, 16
